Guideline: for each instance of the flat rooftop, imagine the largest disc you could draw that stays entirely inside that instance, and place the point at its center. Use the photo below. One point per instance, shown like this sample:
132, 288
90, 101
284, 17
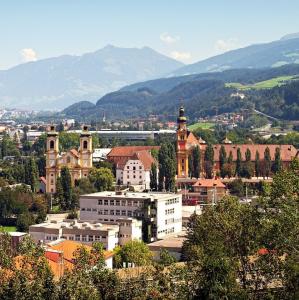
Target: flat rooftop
71, 224
173, 243
132, 195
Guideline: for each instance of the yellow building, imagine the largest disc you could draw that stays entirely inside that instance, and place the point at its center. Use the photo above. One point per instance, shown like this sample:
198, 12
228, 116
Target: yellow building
186, 141
79, 162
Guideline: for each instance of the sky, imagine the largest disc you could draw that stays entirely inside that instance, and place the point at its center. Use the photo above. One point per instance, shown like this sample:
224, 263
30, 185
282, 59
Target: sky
187, 30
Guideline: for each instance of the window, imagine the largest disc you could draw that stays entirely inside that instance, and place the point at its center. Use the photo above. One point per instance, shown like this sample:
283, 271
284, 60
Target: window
129, 203
140, 168
117, 212
52, 144
128, 167
105, 202
85, 144
71, 238
100, 202
82, 209
90, 238
105, 212
100, 212
134, 168
117, 202
111, 202
134, 176
112, 212
77, 237
123, 213
129, 213
135, 203
123, 203
84, 238
97, 238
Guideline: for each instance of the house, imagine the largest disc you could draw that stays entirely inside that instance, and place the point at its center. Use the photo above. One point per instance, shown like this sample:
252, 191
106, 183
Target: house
135, 170
204, 191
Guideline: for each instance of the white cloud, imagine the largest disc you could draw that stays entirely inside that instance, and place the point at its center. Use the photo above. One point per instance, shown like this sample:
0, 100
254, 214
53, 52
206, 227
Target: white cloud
183, 56
28, 54
168, 39
226, 45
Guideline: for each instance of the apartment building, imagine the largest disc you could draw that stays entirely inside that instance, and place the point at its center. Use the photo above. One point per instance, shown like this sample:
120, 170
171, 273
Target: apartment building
160, 213
73, 230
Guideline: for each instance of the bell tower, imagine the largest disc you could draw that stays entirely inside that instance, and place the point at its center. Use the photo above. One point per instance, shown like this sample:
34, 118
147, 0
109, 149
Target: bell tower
85, 151
182, 153
52, 152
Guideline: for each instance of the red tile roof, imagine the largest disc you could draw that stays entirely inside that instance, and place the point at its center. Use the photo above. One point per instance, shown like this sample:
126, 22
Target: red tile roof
128, 151
209, 183
287, 152
144, 156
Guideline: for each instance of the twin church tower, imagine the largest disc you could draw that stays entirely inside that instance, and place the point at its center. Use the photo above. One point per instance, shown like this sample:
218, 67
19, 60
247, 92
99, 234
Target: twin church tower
79, 162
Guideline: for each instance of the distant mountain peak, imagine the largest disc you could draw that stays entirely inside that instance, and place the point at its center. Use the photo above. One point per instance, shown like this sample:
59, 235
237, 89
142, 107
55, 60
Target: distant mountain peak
290, 36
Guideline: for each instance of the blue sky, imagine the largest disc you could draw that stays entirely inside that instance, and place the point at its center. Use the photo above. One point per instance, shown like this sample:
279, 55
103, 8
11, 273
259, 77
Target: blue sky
188, 30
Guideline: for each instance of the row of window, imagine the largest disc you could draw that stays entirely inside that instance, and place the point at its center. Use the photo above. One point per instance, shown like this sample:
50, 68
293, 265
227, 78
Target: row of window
120, 203
169, 211
125, 213
167, 231
172, 201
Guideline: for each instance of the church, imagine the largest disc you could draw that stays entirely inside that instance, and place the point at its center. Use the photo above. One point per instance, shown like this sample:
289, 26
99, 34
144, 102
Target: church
186, 141
79, 162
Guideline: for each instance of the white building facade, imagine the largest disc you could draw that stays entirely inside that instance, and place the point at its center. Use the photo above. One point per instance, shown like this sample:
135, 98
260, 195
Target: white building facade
160, 213
83, 232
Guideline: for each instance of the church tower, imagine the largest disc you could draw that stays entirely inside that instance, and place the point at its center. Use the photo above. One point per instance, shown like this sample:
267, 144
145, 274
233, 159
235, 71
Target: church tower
85, 151
182, 152
52, 152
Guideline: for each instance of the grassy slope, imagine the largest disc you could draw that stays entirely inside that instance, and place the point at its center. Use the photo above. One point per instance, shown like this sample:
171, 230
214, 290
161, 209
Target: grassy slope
267, 84
203, 125
8, 228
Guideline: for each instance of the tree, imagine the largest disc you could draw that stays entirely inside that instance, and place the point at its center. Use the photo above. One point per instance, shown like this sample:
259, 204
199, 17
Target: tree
239, 162
101, 178
222, 161
209, 161
136, 252
196, 155
257, 165
154, 178
167, 167
67, 190
31, 174
277, 165
247, 155
267, 162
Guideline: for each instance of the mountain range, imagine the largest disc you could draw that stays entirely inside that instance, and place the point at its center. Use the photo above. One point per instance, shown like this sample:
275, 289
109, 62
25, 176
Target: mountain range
59, 82
274, 91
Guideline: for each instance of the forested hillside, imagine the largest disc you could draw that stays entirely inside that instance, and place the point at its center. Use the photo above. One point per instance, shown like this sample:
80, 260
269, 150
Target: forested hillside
273, 91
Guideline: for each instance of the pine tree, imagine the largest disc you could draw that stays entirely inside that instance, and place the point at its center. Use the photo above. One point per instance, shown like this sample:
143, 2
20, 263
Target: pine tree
277, 166
196, 162
167, 167
248, 155
239, 162
267, 161
222, 161
209, 161
230, 158
31, 174
257, 164
153, 178
66, 183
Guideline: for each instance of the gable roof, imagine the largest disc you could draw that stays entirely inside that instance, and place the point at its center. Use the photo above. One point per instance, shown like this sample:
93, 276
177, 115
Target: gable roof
143, 156
74, 152
128, 151
203, 182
